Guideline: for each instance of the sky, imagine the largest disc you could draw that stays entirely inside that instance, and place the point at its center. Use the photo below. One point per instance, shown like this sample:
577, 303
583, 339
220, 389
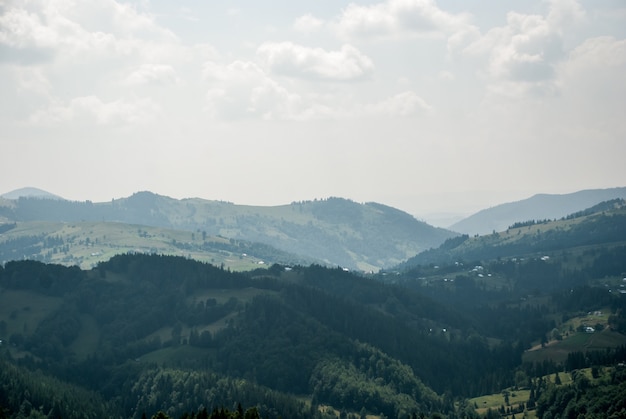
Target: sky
427, 106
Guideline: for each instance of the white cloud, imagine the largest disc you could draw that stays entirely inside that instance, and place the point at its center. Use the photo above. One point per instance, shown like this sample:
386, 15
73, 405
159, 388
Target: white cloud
91, 109
593, 80
400, 105
50, 28
596, 54
34, 80
152, 74
290, 59
110, 16
242, 89
564, 13
397, 19
77, 60
524, 50
308, 23
25, 38
521, 57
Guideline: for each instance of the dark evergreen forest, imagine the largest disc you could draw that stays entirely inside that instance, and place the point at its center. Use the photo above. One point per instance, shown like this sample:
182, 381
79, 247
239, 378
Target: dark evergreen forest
343, 340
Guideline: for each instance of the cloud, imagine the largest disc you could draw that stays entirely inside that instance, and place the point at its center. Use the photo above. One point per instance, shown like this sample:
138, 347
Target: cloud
91, 109
109, 16
24, 37
67, 62
593, 79
595, 54
565, 13
242, 89
308, 23
399, 19
152, 74
401, 105
32, 79
289, 59
41, 30
522, 56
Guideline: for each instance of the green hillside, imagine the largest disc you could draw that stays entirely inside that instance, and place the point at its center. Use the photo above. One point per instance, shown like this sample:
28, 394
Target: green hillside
602, 224
85, 244
335, 231
537, 207
485, 318
139, 316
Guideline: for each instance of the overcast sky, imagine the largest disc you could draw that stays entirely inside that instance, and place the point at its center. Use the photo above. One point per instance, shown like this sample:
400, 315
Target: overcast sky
426, 106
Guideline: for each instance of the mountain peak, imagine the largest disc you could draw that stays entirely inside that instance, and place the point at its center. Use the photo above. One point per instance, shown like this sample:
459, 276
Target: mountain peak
30, 192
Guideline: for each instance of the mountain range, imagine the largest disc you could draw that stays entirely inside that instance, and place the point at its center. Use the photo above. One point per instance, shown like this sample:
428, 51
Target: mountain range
336, 231
480, 323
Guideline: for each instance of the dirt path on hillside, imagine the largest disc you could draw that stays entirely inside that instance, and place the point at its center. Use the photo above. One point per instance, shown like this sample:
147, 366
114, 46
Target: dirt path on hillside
537, 347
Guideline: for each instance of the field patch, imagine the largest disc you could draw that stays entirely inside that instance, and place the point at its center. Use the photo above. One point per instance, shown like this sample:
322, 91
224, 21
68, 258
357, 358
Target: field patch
173, 355
22, 311
223, 295
580, 341
515, 397
89, 338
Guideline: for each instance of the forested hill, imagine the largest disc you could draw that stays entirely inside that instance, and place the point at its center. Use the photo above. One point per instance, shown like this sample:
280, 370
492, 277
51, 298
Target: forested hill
602, 224
336, 231
537, 207
140, 333
143, 333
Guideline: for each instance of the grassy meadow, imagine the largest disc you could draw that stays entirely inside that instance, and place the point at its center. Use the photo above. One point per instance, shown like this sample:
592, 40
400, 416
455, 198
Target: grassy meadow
85, 244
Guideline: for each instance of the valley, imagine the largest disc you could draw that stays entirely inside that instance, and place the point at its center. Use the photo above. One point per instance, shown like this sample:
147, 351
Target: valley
111, 319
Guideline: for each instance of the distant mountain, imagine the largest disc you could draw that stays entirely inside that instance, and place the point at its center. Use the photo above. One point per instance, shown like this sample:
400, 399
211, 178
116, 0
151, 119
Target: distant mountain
29, 193
335, 231
537, 207
603, 224
441, 219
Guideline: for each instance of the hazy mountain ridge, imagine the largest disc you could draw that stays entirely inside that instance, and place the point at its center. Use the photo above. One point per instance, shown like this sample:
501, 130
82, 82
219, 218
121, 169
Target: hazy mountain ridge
335, 230
29, 192
603, 223
537, 207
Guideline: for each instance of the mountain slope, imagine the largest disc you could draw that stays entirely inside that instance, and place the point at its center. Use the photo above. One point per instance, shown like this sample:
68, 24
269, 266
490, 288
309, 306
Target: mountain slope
29, 193
602, 224
537, 207
294, 331
336, 231
141, 333
87, 243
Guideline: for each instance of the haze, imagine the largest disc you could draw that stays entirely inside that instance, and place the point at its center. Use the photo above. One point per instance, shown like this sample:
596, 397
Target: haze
422, 105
